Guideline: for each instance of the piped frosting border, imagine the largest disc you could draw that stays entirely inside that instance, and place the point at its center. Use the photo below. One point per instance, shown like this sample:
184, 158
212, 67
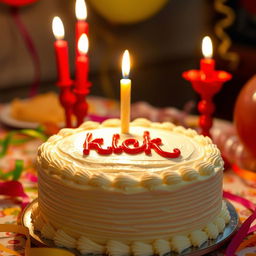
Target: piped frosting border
159, 247
211, 164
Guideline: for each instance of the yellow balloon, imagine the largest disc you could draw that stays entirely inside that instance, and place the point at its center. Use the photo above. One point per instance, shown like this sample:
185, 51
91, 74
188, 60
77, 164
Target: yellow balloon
127, 11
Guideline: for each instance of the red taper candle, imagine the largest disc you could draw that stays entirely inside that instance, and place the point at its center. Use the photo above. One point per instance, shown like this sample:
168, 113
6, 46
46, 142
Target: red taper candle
66, 97
81, 84
82, 64
207, 64
82, 26
61, 51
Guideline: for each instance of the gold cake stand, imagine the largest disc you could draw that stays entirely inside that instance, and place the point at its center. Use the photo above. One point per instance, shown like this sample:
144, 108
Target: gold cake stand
207, 247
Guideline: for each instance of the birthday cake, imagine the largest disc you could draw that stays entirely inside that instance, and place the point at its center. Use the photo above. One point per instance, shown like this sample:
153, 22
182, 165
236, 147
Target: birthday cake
155, 190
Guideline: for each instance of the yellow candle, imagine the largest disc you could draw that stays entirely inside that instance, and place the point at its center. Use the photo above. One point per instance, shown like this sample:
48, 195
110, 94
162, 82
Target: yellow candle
125, 91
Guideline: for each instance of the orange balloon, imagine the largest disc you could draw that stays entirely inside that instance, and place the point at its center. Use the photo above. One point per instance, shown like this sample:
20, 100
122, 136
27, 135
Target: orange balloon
245, 115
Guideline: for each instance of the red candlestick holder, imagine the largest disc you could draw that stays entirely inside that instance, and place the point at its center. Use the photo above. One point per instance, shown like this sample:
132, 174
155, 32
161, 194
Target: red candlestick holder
207, 83
81, 105
67, 100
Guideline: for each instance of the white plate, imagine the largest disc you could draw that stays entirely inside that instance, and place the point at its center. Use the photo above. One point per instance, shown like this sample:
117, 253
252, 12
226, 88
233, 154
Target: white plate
7, 119
102, 114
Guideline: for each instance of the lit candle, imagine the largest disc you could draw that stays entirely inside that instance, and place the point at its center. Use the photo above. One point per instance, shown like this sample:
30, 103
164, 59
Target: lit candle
125, 89
61, 51
82, 64
207, 82
207, 64
81, 24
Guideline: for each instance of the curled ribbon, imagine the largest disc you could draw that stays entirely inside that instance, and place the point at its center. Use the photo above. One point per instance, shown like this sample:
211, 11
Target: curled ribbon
15, 173
28, 250
245, 229
227, 21
16, 138
246, 203
14, 189
13, 138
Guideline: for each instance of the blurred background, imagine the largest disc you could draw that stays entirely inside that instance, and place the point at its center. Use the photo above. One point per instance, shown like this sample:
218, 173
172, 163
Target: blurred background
162, 45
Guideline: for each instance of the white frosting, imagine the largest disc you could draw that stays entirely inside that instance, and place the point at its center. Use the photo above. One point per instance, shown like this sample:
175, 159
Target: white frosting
220, 223
130, 204
124, 181
71, 147
211, 230
171, 177
198, 237
180, 243
63, 240
204, 168
86, 246
177, 243
161, 247
189, 174
142, 249
63, 155
116, 248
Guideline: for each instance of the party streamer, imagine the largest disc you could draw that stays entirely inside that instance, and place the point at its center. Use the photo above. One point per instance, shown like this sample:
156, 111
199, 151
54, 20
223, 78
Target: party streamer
14, 189
237, 241
28, 250
14, 138
220, 27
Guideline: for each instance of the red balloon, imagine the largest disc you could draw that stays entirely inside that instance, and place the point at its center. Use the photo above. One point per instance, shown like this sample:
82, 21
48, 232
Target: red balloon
245, 115
18, 3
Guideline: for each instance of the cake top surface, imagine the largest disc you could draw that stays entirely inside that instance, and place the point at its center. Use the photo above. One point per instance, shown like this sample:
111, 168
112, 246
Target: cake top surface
162, 152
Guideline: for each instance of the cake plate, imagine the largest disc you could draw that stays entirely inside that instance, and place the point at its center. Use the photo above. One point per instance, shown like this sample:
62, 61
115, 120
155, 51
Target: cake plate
207, 247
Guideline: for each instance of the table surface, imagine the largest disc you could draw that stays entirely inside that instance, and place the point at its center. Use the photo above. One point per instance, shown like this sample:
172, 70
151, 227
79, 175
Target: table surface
10, 209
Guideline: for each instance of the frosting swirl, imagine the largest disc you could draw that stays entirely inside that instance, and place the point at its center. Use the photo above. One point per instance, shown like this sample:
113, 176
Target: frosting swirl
151, 180
116, 248
86, 246
198, 237
100, 180
82, 177
177, 243
180, 243
62, 239
62, 155
124, 181
171, 177
142, 249
205, 169
161, 247
188, 174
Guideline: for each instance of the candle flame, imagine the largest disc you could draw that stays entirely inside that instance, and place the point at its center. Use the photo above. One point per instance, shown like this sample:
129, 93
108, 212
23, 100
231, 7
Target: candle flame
58, 28
207, 47
81, 10
126, 64
83, 44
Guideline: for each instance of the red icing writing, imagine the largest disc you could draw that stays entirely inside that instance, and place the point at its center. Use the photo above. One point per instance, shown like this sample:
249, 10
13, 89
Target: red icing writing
129, 146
